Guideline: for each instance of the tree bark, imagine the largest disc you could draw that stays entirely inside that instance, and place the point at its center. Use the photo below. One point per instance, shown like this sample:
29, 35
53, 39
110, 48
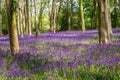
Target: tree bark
119, 4
31, 23
29, 20
54, 16
36, 20
104, 22
69, 15
109, 16
20, 19
82, 15
11, 13
28, 27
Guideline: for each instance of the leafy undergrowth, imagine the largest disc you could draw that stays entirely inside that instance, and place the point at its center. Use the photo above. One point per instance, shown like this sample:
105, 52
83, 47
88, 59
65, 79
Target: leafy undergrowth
71, 55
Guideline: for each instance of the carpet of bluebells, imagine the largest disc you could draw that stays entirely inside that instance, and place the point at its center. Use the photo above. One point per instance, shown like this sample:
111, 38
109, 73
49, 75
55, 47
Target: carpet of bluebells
70, 55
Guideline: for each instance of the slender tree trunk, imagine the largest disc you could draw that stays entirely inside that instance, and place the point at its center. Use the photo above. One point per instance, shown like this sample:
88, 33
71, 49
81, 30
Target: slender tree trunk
54, 16
21, 20
31, 16
104, 24
18, 20
69, 15
24, 18
29, 20
0, 19
36, 20
20, 24
109, 17
82, 15
119, 4
54, 19
11, 13
28, 27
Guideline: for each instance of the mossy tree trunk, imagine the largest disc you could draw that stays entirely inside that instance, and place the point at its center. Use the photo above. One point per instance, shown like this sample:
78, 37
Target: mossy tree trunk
82, 15
11, 13
69, 14
104, 22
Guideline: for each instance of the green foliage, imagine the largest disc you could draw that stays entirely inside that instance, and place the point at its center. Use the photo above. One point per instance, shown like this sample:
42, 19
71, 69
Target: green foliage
14, 5
63, 20
4, 22
91, 16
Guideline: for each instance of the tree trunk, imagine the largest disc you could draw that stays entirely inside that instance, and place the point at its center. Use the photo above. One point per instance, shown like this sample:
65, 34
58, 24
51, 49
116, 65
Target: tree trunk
82, 15
119, 5
20, 24
18, 20
29, 20
0, 19
36, 20
54, 16
104, 22
69, 15
11, 13
109, 16
31, 23
28, 27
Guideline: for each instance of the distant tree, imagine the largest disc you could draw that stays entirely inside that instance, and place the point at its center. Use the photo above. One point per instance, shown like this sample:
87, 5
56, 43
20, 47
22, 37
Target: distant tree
42, 7
0, 19
28, 27
119, 4
52, 15
104, 22
11, 13
69, 14
20, 18
36, 19
54, 10
31, 23
82, 14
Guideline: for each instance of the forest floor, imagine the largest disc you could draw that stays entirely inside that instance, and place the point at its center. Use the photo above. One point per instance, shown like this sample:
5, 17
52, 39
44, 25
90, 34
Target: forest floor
70, 55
